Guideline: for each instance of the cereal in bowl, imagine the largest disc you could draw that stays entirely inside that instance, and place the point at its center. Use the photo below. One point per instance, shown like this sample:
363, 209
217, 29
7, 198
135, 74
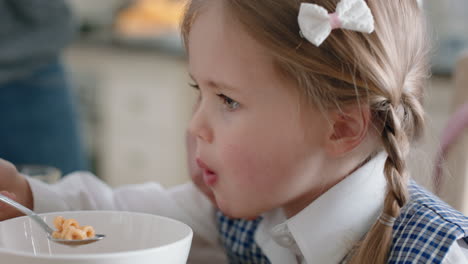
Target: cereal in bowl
69, 229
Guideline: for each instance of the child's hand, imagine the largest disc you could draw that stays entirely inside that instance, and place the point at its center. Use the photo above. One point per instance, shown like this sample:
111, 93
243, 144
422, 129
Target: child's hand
195, 172
14, 186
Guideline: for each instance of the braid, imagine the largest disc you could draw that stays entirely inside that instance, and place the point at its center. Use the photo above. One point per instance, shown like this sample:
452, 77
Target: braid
376, 244
413, 122
396, 144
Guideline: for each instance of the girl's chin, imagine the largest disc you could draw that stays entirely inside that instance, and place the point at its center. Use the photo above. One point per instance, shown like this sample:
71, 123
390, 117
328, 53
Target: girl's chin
238, 214
235, 211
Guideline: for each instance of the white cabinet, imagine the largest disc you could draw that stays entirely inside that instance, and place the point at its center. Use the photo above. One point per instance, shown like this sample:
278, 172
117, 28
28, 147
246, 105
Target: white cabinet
138, 106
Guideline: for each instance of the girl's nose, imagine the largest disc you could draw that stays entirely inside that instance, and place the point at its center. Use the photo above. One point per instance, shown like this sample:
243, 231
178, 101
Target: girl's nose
199, 126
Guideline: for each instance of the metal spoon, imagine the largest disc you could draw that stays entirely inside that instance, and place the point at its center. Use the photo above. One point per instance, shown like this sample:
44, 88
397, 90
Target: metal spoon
46, 227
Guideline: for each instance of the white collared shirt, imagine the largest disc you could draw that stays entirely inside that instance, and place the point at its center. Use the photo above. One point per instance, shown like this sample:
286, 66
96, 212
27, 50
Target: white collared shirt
323, 232
326, 230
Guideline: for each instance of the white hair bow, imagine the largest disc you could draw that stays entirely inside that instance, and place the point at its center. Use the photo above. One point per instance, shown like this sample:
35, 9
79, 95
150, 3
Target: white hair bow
316, 23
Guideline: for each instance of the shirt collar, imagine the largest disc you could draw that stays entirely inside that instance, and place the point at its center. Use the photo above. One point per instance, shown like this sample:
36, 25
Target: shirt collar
327, 229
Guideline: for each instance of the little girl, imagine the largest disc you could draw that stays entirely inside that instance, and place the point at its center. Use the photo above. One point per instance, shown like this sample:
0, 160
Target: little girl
304, 118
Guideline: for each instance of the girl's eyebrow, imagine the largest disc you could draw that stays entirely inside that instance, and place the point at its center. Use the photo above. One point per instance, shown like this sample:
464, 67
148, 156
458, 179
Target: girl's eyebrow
214, 84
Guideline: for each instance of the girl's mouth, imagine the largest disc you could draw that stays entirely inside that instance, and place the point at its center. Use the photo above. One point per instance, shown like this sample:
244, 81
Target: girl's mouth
209, 177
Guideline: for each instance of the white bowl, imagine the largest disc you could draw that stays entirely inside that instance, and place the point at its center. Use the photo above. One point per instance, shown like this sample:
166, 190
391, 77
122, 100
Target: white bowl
131, 238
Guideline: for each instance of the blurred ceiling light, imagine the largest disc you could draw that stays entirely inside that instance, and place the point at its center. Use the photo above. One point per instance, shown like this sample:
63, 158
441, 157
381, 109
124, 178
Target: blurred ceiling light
150, 17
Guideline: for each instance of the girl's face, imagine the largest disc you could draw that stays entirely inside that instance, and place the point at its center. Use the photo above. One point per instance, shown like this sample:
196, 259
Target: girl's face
258, 147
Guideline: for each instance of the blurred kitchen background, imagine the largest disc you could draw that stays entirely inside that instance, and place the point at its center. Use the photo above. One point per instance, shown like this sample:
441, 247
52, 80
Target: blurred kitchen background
129, 72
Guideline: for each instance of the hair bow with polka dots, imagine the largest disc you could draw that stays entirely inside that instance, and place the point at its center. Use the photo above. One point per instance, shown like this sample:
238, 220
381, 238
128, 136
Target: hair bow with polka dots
316, 23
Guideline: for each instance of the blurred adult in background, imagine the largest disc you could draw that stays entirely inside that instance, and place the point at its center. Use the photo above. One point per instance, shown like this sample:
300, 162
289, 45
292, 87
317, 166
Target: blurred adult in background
38, 121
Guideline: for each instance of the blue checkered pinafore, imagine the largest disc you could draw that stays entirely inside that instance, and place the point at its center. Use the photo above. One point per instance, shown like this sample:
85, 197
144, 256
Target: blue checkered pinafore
426, 228
237, 236
423, 233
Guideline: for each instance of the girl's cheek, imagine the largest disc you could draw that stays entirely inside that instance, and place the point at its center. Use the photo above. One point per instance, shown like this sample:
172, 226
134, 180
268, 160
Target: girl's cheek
241, 160
234, 155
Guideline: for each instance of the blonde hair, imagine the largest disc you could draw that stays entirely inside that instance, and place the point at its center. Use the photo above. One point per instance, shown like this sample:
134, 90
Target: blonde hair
386, 70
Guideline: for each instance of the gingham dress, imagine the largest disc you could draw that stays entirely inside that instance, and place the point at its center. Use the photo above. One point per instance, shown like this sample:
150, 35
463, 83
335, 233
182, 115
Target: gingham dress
426, 229
424, 232
237, 236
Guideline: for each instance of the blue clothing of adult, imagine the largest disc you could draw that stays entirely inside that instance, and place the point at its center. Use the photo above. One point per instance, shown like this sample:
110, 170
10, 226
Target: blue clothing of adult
38, 122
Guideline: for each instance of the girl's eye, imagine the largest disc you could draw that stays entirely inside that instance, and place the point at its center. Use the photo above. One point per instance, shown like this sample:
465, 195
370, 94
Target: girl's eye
197, 88
228, 102
194, 86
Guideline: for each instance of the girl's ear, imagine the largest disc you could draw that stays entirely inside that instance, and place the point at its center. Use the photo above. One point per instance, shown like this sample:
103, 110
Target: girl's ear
348, 128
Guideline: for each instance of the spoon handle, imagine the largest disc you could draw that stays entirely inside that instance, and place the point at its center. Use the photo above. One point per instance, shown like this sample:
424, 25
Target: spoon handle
28, 212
